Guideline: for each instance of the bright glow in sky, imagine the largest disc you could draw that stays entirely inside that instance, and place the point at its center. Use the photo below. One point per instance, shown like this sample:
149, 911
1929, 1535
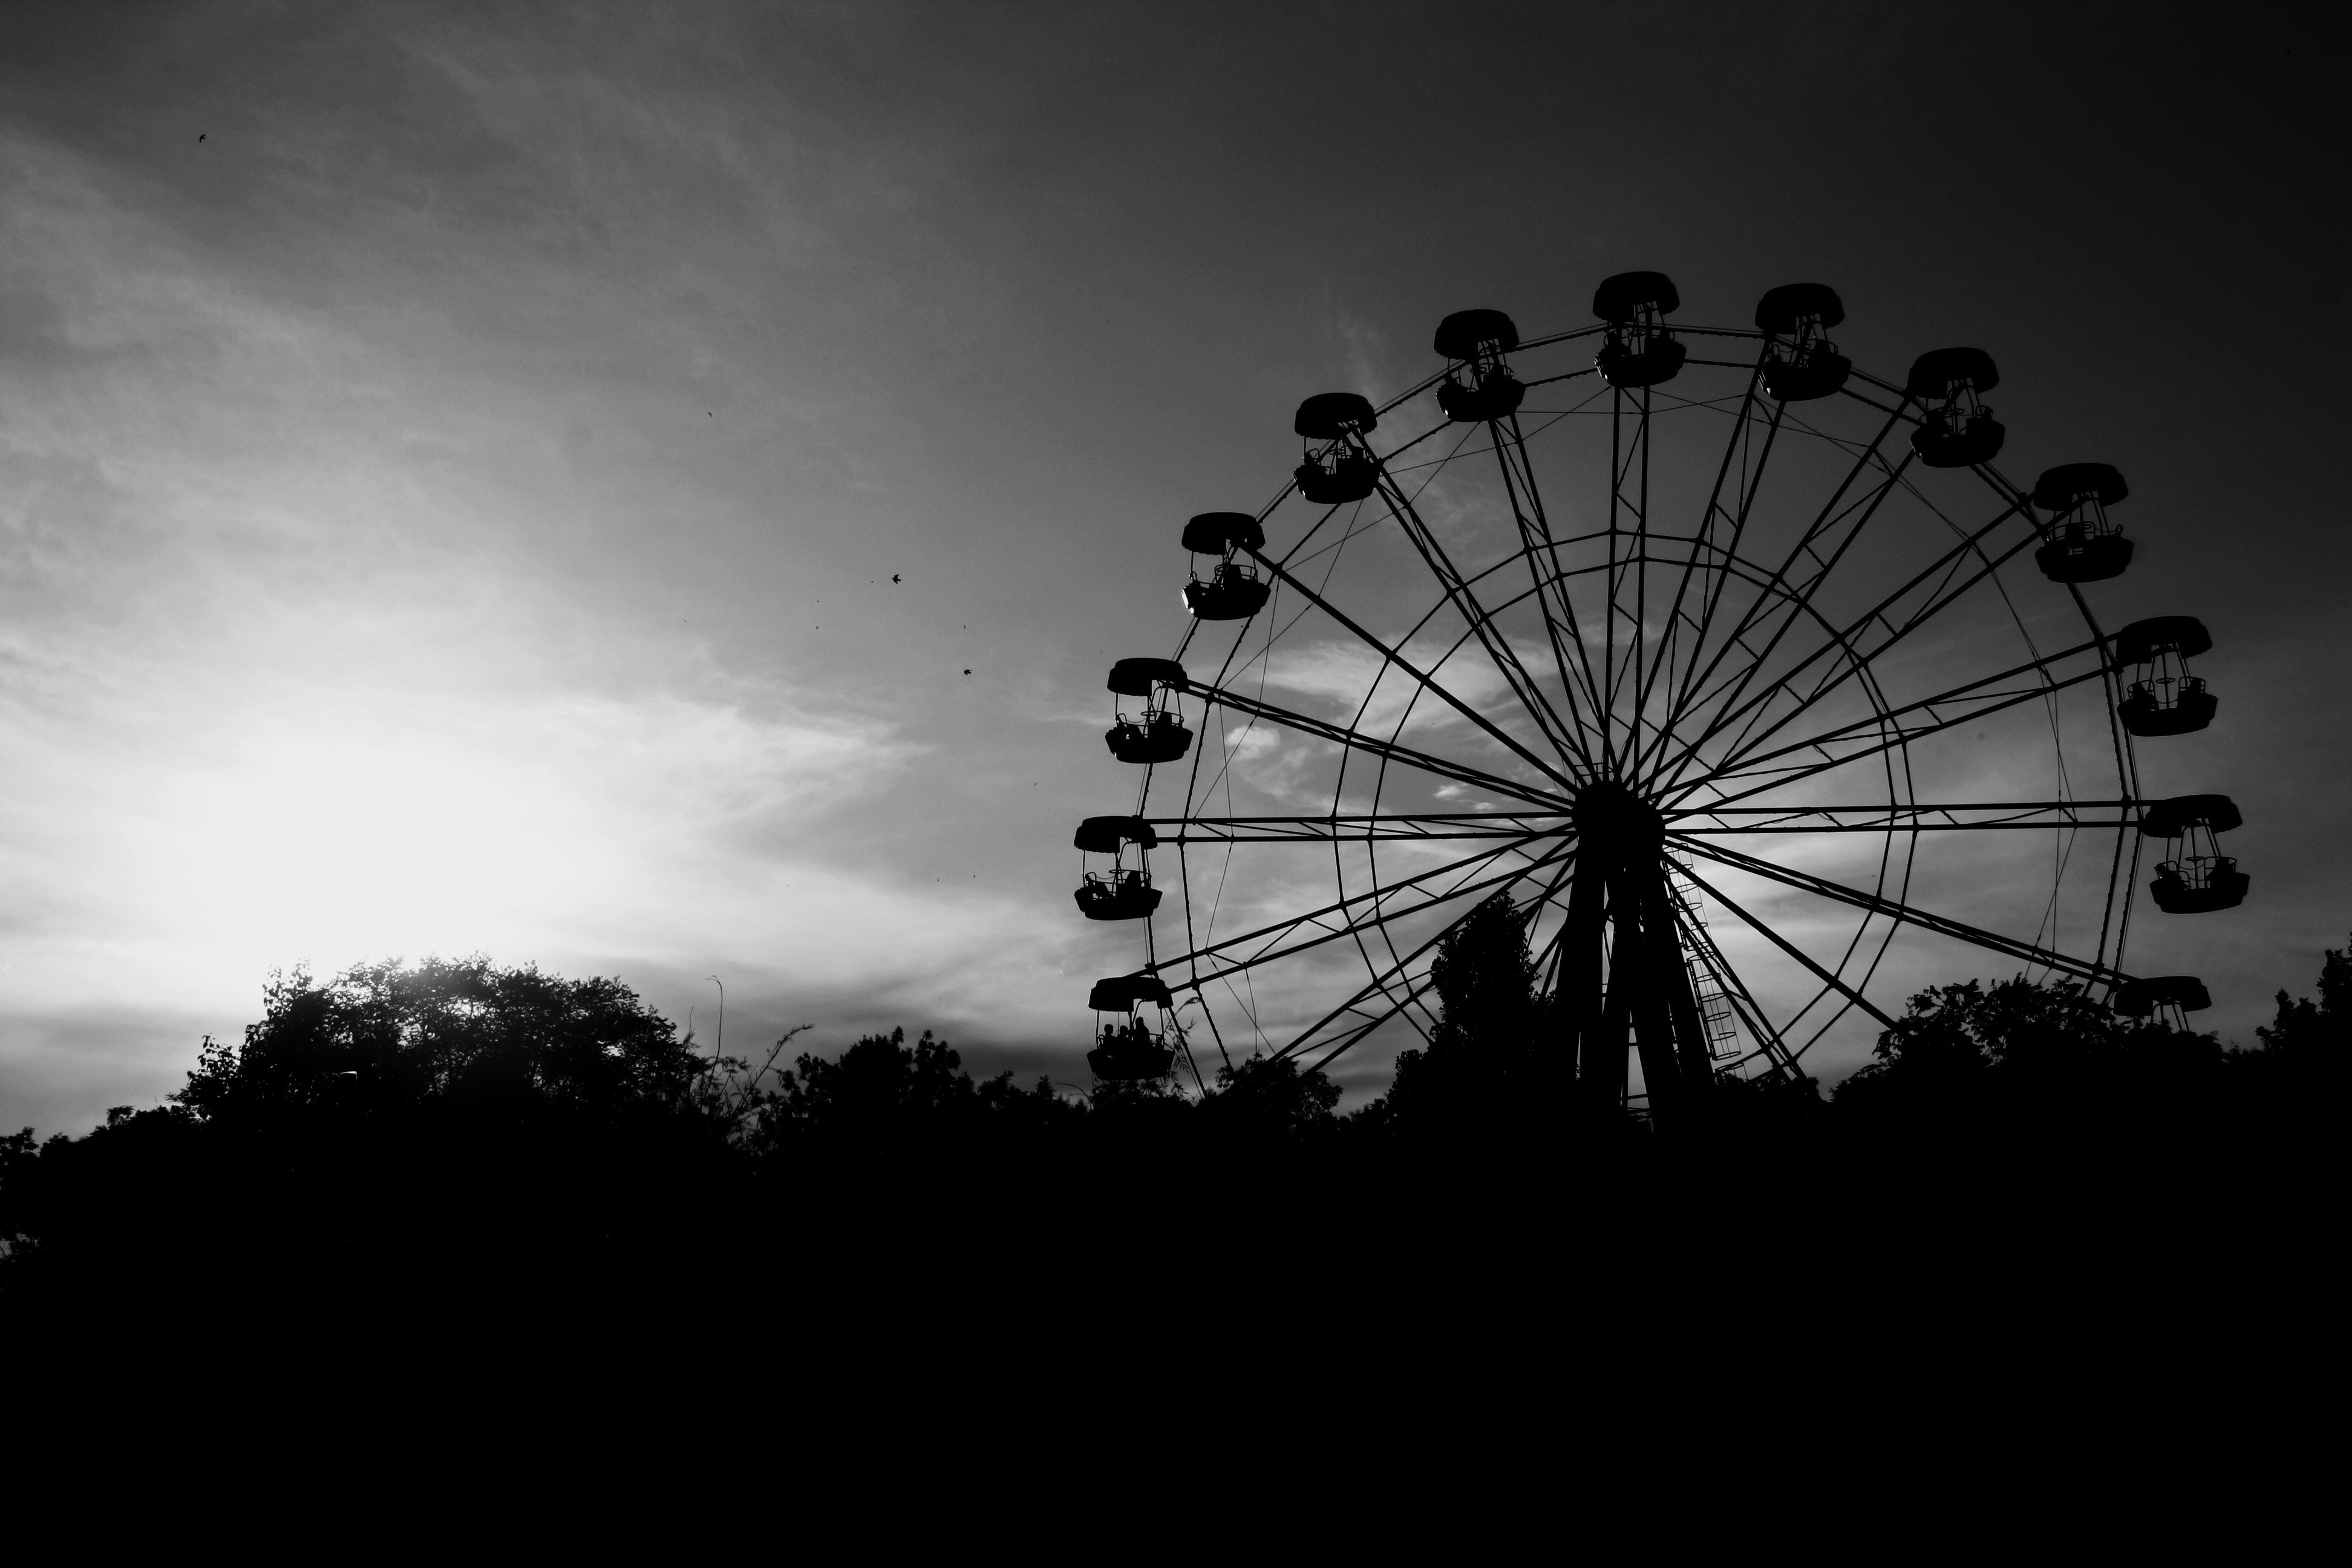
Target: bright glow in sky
454, 505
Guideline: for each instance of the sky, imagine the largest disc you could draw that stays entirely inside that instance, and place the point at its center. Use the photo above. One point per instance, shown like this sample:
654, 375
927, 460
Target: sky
532, 481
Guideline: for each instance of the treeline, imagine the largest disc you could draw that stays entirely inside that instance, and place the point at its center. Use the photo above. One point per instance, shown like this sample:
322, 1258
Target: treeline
457, 1121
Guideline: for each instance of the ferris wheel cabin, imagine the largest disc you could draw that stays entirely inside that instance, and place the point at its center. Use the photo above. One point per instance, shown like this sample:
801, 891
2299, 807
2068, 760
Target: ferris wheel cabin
1478, 383
2160, 697
1337, 468
1956, 428
1121, 891
1232, 591
1801, 364
1127, 1048
1159, 736
2165, 997
1637, 350
2083, 545
2194, 876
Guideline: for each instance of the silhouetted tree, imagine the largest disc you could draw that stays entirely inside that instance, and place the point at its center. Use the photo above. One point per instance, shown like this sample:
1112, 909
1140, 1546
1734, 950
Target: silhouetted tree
880, 1085
1489, 1061
2033, 1059
444, 1116
1772, 1108
128, 1190
2320, 1031
885, 1093
465, 1117
1271, 1102
385, 1039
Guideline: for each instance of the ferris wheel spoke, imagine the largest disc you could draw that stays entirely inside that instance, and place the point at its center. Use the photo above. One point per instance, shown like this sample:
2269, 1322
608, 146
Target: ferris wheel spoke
1779, 591
1827, 518
1542, 553
1426, 683
1465, 599
1296, 552
1646, 661
2019, 496
1804, 960
1870, 736
1795, 606
1362, 1022
1860, 655
1549, 956
1943, 925
1751, 483
1361, 1014
1388, 750
2050, 815
1299, 933
1848, 641
1668, 775
1629, 557
1406, 827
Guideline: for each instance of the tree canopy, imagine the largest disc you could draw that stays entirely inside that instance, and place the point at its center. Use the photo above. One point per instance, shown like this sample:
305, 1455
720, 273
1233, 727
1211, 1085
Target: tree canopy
474, 1114
1490, 1058
386, 1038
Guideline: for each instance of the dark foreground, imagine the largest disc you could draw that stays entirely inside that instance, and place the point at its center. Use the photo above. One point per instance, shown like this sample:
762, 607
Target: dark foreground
429, 1145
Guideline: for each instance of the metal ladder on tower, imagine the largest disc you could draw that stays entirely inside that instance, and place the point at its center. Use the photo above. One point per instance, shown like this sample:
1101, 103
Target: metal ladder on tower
1714, 1010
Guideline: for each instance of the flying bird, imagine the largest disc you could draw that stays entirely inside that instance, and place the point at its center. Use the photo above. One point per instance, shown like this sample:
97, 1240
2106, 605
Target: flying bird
200, 136
967, 672
894, 576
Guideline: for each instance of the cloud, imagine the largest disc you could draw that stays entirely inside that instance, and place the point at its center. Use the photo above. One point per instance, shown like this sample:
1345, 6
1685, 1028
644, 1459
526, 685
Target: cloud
1349, 678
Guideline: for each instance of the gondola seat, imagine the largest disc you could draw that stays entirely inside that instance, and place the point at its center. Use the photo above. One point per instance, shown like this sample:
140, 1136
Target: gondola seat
2191, 709
2076, 554
2224, 888
1942, 443
1120, 895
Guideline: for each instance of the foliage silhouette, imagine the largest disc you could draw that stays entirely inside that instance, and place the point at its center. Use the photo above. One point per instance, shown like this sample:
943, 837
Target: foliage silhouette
2007, 1057
388, 1039
885, 1092
440, 1124
451, 1116
1490, 1063
2320, 1032
1272, 1100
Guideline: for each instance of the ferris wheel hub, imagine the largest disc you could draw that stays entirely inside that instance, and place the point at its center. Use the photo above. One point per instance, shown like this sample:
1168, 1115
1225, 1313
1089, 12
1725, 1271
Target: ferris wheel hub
1616, 825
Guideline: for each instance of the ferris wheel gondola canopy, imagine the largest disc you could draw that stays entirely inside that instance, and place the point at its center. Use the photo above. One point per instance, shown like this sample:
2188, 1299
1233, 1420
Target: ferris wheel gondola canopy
2142, 641
1783, 309
1215, 532
1108, 835
1462, 334
2175, 817
2069, 485
1940, 372
1122, 991
2138, 998
1328, 415
1136, 676
1626, 296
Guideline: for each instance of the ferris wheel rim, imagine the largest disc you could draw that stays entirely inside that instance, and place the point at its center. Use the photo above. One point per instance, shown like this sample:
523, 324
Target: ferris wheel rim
1214, 694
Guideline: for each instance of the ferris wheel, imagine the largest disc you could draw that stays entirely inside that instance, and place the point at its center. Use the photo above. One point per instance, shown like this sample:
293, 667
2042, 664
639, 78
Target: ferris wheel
1747, 678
